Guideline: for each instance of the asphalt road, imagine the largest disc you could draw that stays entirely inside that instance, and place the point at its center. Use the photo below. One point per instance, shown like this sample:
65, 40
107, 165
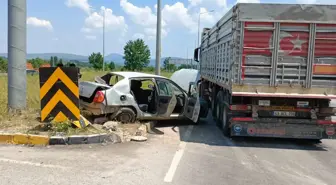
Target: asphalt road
184, 155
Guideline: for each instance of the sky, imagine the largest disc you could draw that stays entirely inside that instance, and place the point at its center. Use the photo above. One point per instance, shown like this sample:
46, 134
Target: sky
76, 26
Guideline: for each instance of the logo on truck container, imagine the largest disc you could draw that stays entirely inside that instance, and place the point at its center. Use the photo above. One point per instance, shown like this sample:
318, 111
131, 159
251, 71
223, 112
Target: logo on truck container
237, 128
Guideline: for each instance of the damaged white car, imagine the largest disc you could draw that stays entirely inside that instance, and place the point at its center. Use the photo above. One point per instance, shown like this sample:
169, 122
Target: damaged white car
131, 96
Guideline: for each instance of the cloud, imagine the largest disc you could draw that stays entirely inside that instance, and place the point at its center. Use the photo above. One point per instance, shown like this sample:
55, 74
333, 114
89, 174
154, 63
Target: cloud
34, 21
82, 4
144, 17
178, 15
138, 36
86, 30
90, 37
251, 1
94, 21
151, 33
175, 15
112, 22
139, 15
55, 39
208, 3
194, 2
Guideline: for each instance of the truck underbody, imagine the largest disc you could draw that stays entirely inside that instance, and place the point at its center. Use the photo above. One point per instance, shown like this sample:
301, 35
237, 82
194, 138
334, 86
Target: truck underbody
271, 74
270, 116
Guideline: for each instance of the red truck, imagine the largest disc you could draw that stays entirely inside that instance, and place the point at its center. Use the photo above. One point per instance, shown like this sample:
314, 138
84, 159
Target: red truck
269, 70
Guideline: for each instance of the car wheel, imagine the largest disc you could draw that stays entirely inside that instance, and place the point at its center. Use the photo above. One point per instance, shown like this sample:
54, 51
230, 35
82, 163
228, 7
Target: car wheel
126, 115
225, 122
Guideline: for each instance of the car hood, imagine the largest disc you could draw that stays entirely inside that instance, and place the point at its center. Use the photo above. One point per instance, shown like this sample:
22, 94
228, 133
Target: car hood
183, 77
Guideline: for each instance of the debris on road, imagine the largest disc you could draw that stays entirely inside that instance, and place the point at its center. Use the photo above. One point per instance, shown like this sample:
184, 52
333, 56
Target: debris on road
139, 138
111, 125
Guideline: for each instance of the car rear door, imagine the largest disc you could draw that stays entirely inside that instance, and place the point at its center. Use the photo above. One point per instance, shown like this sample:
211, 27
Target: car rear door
166, 98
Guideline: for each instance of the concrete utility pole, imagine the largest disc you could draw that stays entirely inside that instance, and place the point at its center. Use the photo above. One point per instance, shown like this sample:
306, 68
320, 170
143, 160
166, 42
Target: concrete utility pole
104, 41
158, 38
17, 77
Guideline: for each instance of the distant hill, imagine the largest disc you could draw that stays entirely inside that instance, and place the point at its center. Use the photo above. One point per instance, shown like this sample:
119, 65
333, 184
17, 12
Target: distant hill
46, 56
117, 58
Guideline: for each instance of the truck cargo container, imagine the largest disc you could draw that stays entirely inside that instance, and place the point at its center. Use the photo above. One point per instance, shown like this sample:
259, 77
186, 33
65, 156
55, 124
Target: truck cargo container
269, 70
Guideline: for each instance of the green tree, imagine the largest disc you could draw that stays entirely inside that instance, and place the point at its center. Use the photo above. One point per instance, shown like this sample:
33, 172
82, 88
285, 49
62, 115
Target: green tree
96, 60
166, 63
70, 64
36, 62
3, 65
184, 66
60, 63
149, 69
55, 60
111, 65
51, 61
171, 67
136, 55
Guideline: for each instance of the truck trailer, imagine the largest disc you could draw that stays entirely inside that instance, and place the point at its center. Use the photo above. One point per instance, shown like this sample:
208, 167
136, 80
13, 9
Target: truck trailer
269, 70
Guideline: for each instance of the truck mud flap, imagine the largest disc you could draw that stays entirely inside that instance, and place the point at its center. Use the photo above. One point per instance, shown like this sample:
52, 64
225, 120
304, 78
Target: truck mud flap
283, 131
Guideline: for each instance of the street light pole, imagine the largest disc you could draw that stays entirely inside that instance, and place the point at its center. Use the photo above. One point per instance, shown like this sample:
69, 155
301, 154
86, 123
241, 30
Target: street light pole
104, 41
158, 38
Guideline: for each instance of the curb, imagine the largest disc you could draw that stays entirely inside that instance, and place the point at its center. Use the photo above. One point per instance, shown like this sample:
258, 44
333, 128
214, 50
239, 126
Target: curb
84, 139
28, 139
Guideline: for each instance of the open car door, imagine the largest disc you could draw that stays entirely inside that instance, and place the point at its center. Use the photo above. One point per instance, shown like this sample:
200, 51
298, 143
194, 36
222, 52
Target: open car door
166, 98
193, 104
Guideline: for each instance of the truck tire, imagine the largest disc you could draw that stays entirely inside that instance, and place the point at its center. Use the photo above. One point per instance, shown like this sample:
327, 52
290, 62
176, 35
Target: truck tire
225, 122
126, 115
213, 103
219, 108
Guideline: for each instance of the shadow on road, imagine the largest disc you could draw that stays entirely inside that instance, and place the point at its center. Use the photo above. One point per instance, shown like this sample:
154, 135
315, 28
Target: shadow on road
208, 133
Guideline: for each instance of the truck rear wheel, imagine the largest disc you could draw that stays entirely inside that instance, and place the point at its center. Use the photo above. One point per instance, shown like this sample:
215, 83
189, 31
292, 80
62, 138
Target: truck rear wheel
213, 103
219, 108
225, 122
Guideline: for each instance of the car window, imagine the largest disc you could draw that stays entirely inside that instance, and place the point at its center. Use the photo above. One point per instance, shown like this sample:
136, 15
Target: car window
115, 79
176, 90
193, 91
146, 84
165, 88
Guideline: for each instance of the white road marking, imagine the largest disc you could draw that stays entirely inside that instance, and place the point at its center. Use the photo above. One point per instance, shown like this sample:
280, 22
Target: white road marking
178, 155
31, 163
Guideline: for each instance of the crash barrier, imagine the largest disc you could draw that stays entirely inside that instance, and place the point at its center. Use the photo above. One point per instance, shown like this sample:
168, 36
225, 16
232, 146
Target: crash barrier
59, 94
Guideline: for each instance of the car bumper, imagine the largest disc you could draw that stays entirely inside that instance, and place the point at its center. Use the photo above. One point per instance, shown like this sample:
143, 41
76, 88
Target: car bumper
97, 108
274, 130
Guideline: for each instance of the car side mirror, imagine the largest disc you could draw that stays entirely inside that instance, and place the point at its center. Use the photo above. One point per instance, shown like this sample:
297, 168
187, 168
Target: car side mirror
196, 54
192, 88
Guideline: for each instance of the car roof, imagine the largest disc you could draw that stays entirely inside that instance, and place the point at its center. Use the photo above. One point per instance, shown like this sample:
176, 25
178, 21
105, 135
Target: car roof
136, 75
